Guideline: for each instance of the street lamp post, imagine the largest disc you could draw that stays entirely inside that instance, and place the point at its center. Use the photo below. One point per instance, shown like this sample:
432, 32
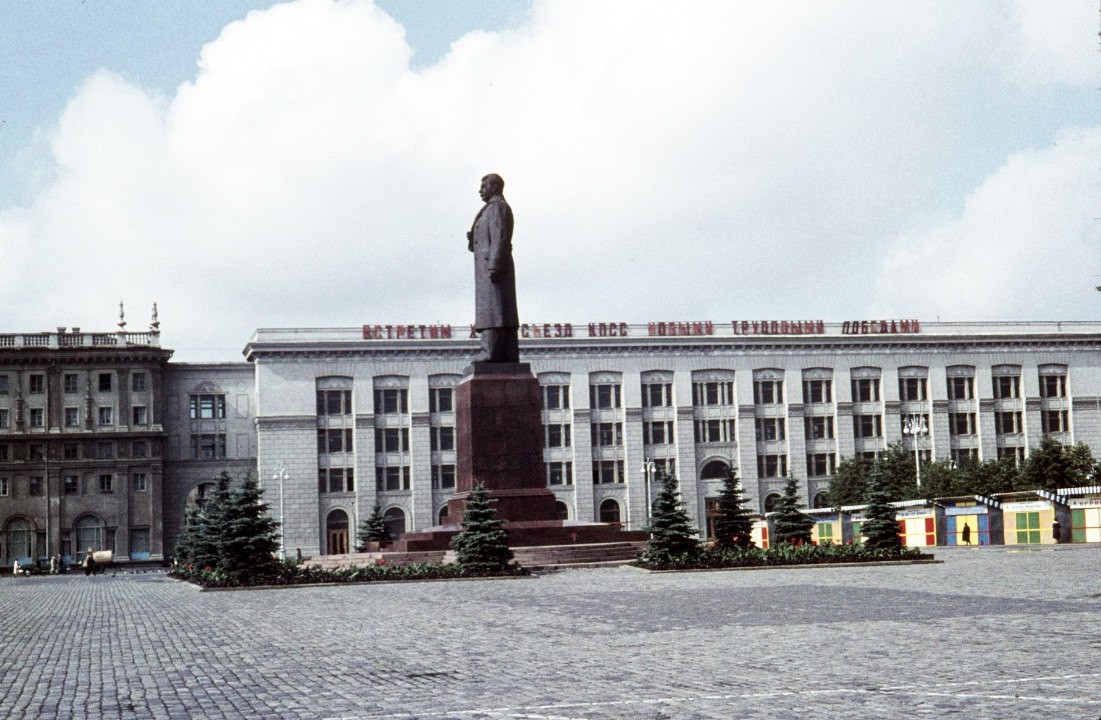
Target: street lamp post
648, 468
916, 426
281, 475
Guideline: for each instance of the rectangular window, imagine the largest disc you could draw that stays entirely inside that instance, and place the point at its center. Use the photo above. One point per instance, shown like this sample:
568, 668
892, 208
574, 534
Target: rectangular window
556, 397
391, 401
208, 407
1016, 454
1028, 528
70, 484
391, 478
105, 382
5, 417
657, 432
867, 426
336, 480
607, 472
965, 456
768, 392
139, 544
391, 440
141, 482
38, 417
106, 415
912, 389
559, 473
712, 393
818, 427
105, 450
36, 451
72, 417
1054, 421
36, 383
820, 464
714, 431
3, 384
657, 395
140, 415
106, 483
770, 429
961, 424
208, 446
441, 400
866, 390
1008, 423
443, 477
443, 438
1007, 387
558, 435
961, 388
817, 391
138, 382
1053, 386
607, 434
5, 489
140, 449
772, 466
70, 383
70, 451
603, 397
334, 440
334, 402
37, 485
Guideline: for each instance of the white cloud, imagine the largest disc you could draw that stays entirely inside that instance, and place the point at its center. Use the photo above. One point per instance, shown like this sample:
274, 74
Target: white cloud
737, 159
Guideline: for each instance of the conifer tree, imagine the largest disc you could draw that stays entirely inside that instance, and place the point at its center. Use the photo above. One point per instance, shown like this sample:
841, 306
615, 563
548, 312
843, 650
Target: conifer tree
734, 524
372, 529
250, 537
481, 548
880, 529
790, 524
671, 533
202, 545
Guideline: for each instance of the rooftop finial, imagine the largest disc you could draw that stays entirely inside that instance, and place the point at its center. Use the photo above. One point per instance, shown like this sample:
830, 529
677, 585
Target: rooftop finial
122, 317
154, 324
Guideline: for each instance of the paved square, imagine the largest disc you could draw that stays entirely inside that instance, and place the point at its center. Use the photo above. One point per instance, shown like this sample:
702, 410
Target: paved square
992, 632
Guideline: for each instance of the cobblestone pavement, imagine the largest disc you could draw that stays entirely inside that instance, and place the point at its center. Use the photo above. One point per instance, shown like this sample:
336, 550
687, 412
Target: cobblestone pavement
990, 633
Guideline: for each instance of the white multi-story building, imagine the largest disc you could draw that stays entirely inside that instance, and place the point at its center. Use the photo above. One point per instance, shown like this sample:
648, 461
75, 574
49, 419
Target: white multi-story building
347, 419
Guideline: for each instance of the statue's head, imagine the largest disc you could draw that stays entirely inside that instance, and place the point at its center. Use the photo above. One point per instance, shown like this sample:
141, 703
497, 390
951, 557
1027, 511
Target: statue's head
492, 185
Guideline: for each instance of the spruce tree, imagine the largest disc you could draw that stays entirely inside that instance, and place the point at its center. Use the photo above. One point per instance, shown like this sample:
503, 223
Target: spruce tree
481, 547
880, 529
734, 524
790, 524
203, 545
251, 535
372, 529
671, 534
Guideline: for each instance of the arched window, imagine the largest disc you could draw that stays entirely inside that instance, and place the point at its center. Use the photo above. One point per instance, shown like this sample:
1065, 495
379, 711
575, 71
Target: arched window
609, 511
714, 470
89, 535
336, 530
770, 501
821, 500
19, 536
442, 516
394, 519
563, 510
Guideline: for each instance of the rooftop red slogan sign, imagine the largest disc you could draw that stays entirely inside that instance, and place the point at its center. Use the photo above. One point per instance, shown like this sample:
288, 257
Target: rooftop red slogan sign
656, 329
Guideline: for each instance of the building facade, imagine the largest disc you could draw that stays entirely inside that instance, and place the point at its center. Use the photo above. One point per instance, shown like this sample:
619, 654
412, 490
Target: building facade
352, 418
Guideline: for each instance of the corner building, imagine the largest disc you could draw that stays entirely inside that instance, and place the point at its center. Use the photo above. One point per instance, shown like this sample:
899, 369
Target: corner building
346, 419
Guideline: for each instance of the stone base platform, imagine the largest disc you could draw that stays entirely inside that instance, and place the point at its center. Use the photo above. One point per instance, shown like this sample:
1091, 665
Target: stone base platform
524, 534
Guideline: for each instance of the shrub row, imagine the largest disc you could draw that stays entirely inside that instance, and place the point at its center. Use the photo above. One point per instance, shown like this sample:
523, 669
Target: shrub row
783, 554
290, 574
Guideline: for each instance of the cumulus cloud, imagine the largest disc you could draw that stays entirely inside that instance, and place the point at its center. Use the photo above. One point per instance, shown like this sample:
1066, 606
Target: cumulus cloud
742, 159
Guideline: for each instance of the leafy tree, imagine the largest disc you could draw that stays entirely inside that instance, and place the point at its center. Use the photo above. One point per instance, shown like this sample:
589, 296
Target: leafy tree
880, 530
988, 477
251, 535
481, 547
671, 533
896, 465
849, 482
1051, 466
941, 479
790, 524
734, 524
373, 529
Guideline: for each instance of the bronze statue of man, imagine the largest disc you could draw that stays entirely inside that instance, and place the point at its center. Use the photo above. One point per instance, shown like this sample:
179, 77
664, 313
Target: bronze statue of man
490, 239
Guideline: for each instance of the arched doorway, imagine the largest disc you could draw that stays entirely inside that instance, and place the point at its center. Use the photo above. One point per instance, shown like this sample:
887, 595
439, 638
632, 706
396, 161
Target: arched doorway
563, 510
441, 518
714, 470
89, 535
18, 535
336, 530
821, 499
770, 501
394, 518
609, 511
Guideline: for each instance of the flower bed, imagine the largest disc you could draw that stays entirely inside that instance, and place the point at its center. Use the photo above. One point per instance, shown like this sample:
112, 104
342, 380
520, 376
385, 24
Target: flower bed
786, 554
289, 574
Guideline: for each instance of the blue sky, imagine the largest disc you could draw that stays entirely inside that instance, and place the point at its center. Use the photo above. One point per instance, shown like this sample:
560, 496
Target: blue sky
315, 163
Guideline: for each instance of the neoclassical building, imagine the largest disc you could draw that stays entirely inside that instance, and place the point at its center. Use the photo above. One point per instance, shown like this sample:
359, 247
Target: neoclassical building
347, 419
104, 442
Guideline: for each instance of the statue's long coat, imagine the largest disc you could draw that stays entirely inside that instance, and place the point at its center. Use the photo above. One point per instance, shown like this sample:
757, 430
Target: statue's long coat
491, 243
